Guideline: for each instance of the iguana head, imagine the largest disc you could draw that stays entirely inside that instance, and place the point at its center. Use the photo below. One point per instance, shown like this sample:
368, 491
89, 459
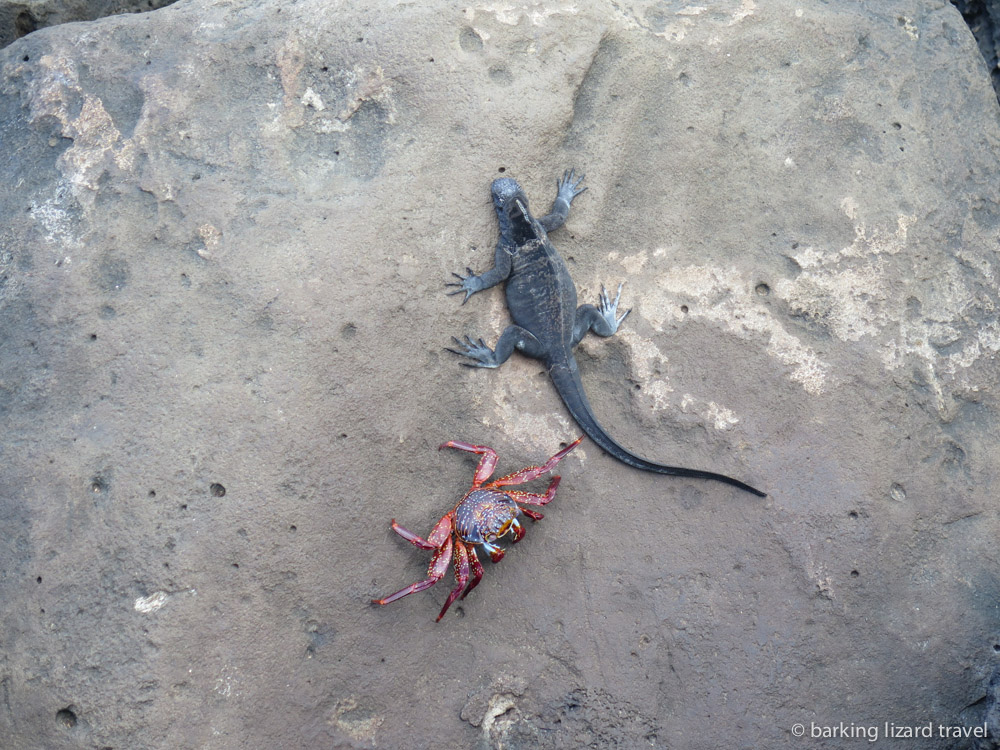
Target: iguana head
504, 190
511, 205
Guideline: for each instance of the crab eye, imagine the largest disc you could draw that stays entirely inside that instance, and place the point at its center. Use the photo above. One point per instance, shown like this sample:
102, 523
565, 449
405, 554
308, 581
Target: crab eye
491, 537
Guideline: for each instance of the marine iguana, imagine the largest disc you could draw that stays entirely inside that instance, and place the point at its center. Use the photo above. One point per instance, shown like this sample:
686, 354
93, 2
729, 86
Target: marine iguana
541, 298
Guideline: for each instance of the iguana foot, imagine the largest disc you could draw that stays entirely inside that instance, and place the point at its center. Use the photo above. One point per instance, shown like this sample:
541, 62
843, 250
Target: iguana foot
481, 354
567, 188
609, 309
469, 284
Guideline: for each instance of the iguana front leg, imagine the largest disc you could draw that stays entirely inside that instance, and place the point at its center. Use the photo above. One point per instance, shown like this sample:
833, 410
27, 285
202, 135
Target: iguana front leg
602, 320
472, 283
514, 337
566, 191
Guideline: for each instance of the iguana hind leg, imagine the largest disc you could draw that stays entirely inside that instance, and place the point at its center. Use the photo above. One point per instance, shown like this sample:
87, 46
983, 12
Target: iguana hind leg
514, 337
602, 320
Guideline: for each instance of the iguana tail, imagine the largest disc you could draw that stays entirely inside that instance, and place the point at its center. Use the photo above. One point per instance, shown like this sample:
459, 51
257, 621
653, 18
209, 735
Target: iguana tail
566, 378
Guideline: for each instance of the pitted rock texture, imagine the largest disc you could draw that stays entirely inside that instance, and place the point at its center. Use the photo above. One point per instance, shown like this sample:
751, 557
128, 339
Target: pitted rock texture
222, 373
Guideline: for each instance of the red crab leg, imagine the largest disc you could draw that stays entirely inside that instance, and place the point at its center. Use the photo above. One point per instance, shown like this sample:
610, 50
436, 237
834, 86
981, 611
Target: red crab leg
435, 571
416, 541
533, 472
534, 498
461, 575
486, 464
440, 532
477, 571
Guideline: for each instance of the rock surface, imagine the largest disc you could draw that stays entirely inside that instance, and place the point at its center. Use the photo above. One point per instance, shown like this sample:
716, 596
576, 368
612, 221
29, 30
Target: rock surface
20, 17
983, 17
222, 374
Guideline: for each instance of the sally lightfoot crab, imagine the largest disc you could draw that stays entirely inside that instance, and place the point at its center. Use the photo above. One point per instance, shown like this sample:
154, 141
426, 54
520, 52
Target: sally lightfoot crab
485, 513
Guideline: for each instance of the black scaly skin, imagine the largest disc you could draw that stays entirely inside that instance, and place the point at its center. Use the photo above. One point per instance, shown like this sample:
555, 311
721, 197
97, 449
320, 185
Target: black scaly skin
541, 298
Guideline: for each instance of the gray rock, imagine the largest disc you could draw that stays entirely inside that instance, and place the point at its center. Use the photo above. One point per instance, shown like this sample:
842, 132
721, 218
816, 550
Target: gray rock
983, 17
228, 228
20, 17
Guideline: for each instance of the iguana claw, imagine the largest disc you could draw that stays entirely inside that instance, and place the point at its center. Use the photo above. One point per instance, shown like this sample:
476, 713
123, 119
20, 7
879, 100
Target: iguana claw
478, 351
609, 309
566, 186
469, 284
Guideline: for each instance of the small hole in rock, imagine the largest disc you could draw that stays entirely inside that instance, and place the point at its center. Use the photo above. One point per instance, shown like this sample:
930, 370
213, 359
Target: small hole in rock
502, 169
66, 717
854, 574
763, 290
293, 527
853, 514
217, 490
38, 580
684, 309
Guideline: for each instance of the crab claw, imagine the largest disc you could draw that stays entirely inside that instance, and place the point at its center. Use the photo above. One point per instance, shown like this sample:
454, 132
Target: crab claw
517, 530
496, 553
